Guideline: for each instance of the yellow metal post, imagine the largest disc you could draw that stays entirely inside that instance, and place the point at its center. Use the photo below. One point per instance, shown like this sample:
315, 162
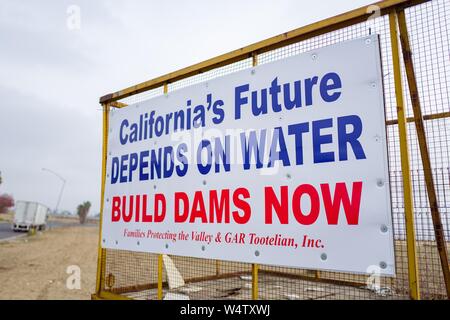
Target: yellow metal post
100, 282
160, 276
405, 164
426, 163
255, 266
160, 256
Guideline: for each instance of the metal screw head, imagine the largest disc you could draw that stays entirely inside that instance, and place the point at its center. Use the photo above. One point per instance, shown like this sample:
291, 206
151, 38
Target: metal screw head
257, 253
117, 242
373, 84
206, 84
154, 187
253, 71
368, 41
288, 176
384, 228
383, 265
204, 182
167, 246
380, 182
203, 248
107, 199
314, 56
323, 256
104, 240
138, 243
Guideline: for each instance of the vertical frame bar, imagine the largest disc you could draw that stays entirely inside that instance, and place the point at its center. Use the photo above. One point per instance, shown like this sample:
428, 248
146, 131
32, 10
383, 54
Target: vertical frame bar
160, 256
405, 164
101, 263
255, 289
255, 266
160, 276
423, 146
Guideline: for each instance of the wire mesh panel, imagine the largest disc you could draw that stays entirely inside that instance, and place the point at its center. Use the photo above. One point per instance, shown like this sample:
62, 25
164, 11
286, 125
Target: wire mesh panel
136, 274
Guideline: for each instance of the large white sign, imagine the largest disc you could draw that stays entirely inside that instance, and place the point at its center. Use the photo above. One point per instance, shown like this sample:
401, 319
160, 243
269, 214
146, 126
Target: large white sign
281, 164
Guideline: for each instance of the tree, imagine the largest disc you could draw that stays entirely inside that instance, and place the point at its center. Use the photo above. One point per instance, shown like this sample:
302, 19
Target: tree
6, 202
83, 210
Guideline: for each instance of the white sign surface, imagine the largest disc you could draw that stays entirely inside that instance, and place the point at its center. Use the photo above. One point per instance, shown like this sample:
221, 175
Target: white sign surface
281, 164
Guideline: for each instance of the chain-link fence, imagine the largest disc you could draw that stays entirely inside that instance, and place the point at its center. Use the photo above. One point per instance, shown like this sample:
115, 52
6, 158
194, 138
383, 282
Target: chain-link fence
138, 275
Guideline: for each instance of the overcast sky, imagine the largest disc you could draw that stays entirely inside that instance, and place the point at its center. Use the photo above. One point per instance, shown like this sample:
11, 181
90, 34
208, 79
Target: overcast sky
52, 73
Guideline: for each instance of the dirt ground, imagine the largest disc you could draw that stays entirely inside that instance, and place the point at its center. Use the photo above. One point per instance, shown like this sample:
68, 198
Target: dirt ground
35, 267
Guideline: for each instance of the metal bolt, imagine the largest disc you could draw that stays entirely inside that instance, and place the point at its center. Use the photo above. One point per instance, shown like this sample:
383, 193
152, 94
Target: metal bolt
138, 243
384, 228
314, 56
368, 41
204, 182
167, 246
104, 240
323, 256
380, 182
373, 84
288, 176
154, 186
203, 248
257, 253
117, 242
383, 265
107, 199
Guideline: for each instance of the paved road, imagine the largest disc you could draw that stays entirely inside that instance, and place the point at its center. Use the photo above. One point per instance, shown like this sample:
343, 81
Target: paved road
6, 231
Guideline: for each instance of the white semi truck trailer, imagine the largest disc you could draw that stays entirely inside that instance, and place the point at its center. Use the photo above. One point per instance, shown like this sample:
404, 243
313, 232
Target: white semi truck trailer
30, 215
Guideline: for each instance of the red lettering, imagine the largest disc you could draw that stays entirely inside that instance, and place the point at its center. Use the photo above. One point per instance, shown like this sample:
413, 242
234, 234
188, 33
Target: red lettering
160, 215
313, 214
115, 209
138, 208
181, 217
127, 217
219, 209
241, 204
198, 208
145, 217
271, 202
351, 207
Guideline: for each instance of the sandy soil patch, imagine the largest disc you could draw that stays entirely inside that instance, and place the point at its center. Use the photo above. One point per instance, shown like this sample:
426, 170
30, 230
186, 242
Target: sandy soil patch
35, 267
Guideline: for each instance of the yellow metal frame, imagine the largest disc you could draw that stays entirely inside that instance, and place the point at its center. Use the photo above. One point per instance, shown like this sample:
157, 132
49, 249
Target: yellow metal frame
423, 146
101, 262
405, 163
293, 36
252, 51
